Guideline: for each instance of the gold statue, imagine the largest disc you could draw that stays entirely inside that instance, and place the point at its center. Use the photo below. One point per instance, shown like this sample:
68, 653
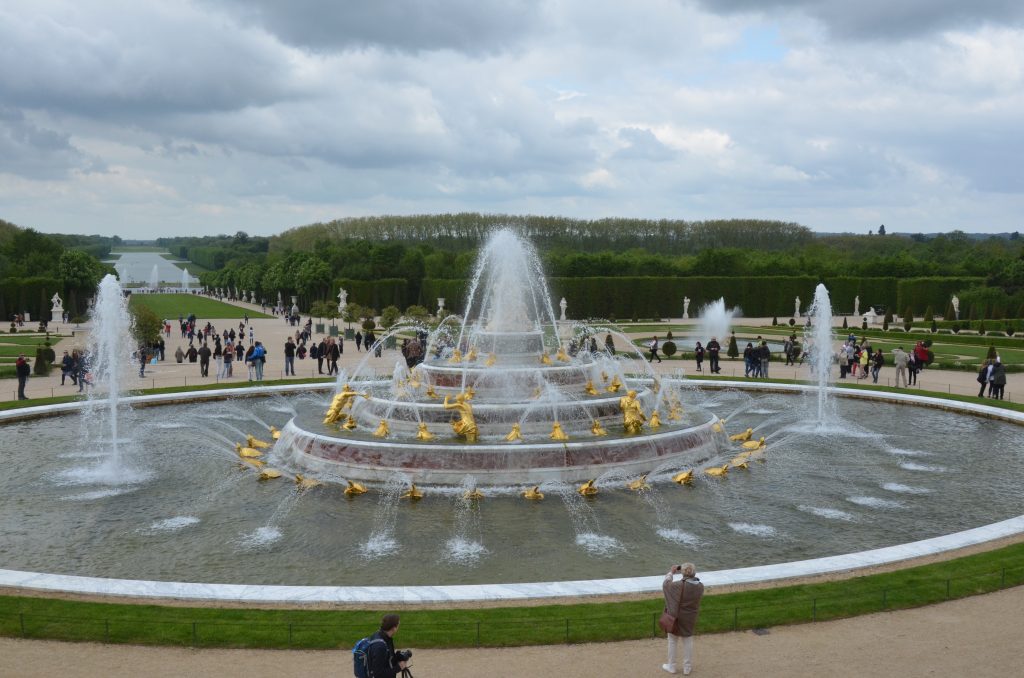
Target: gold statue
414, 383
350, 423
470, 392
590, 388
342, 401
247, 451
382, 429
597, 429
545, 359
515, 434
473, 495
655, 420
638, 485
615, 385
656, 386
255, 463
536, 393
739, 463
275, 433
305, 483
718, 426
430, 391
561, 355
423, 433
742, 437
684, 478
491, 359
413, 493
269, 474
533, 493
354, 489
557, 433
675, 412
587, 489
254, 442
754, 444
604, 376
471, 356
717, 471
465, 425
456, 357
632, 414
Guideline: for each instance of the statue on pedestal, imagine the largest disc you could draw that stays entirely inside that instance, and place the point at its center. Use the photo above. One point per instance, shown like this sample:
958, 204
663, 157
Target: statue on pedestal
956, 306
342, 299
686, 308
440, 307
57, 312
856, 305
796, 309
563, 305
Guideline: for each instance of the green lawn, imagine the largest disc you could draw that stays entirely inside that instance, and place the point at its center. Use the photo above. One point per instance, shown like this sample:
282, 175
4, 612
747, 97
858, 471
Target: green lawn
174, 305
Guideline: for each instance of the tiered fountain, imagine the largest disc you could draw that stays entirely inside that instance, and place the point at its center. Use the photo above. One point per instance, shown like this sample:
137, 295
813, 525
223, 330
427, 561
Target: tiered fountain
500, 401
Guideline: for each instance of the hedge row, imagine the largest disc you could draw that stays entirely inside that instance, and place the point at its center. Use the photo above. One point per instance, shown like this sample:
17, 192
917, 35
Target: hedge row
920, 293
212, 258
18, 295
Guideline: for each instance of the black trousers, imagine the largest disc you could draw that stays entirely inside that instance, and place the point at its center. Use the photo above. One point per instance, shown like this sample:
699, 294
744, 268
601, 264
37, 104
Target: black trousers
21, 388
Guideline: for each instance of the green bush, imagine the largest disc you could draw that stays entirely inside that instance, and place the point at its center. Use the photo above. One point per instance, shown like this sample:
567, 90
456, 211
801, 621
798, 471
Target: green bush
733, 350
389, 316
845, 326
669, 348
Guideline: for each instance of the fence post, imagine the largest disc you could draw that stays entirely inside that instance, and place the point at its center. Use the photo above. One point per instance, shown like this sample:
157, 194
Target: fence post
195, 634
478, 633
566, 630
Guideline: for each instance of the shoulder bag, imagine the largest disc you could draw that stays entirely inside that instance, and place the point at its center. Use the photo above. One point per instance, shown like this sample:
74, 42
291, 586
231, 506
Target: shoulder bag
667, 622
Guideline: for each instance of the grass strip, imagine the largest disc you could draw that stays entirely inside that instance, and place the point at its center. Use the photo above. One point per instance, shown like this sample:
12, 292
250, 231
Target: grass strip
171, 306
33, 617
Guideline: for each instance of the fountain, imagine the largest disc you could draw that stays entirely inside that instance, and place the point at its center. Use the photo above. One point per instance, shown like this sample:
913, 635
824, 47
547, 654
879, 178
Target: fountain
184, 280
715, 320
154, 279
818, 340
565, 429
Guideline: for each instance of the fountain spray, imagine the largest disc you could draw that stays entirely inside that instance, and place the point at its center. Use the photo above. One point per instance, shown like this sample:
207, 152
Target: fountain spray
820, 335
154, 278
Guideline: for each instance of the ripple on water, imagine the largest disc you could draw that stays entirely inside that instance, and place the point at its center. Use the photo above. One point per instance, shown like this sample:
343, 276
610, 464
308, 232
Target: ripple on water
905, 489
260, 537
599, 544
464, 551
901, 452
830, 513
875, 502
678, 536
173, 524
98, 494
929, 468
379, 546
753, 529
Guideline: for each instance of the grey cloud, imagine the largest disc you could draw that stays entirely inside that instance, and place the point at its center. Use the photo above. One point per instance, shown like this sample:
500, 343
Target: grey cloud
643, 145
883, 19
471, 26
28, 150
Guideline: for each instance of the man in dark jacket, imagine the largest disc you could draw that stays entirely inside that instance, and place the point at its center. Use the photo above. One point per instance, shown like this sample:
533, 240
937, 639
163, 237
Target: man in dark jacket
289, 357
321, 355
682, 599
382, 661
204, 360
713, 348
22, 369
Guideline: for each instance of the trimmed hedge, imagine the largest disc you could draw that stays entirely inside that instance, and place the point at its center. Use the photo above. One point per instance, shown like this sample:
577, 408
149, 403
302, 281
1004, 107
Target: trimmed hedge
920, 293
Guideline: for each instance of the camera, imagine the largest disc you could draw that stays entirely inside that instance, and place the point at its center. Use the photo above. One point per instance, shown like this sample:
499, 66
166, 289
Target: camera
403, 655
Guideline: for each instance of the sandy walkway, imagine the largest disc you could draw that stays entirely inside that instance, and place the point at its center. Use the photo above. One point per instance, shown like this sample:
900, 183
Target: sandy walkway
977, 637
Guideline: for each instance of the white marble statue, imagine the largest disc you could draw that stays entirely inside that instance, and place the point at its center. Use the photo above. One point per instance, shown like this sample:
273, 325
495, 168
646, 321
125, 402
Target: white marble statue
57, 312
295, 305
686, 308
796, 309
856, 305
562, 305
956, 306
440, 306
342, 299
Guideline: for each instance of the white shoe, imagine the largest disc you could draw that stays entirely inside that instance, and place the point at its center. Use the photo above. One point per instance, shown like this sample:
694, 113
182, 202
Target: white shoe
667, 668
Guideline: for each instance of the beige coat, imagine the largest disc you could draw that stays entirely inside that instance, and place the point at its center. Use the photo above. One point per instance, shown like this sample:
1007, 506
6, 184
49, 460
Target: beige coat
692, 590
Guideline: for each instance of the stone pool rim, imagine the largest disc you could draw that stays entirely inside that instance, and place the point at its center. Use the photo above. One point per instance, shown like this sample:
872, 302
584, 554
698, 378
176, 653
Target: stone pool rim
777, 573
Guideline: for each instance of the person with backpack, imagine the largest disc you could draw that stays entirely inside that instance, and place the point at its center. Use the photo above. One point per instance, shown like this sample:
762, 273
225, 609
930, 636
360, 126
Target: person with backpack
375, 656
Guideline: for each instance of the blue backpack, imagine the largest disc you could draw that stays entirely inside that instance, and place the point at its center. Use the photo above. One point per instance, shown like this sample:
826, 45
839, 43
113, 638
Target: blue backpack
361, 656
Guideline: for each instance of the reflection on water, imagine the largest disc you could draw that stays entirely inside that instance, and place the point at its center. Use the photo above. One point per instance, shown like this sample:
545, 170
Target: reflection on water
895, 474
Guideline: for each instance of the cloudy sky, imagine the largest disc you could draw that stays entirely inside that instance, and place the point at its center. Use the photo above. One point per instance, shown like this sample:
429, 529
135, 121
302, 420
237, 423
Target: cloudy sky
144, 118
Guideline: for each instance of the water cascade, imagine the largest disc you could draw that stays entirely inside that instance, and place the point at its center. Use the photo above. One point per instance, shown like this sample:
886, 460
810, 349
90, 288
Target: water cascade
818, 339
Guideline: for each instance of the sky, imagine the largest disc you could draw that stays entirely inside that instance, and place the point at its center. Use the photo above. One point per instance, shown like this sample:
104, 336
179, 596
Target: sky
143, 119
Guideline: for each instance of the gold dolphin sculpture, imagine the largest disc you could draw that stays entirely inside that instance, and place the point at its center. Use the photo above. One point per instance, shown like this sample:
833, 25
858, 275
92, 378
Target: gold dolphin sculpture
533, 493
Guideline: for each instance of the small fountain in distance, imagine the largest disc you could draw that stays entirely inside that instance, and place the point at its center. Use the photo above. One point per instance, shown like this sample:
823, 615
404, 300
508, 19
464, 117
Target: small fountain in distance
715, 320
184, 280
154, 279
819, 338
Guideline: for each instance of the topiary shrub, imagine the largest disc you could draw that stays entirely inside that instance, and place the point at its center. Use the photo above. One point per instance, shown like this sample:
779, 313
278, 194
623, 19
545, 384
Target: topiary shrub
669, 348
935, 326
41, 367
369, 324
1010, 329
668, 335
845, 326
775, 320
955, 328
792, 322
733, 350
981, 328
864, 324
885, 323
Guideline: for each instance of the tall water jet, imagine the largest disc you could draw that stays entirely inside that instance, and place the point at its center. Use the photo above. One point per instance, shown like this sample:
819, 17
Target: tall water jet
715, 320
819, 338
154, 279
184, 280
110, 349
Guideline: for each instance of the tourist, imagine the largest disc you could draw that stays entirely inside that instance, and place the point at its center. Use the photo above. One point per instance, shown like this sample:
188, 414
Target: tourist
301, 351
865, 359
252, 334
22, 369
81, 368
876, 365
998, 383
192, 354
765, 356
249, 361
913, 366
653, 345
359, 340
239, 349
66, 365
258, 358
683, 598
141, 355
204, 360
748, 360
289, 357
713, 348
698, 354
787, 349
229, 356
609, 344
321, 355
218, 355
899, 358
333, 354
984, 377
382, 661
179, 355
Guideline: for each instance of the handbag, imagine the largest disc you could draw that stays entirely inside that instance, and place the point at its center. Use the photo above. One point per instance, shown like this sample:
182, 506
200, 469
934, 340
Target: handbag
667, 622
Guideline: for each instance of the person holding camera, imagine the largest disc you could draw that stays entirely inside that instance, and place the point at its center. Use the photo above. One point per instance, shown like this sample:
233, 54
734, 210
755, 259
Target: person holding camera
382, 659
682, 601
